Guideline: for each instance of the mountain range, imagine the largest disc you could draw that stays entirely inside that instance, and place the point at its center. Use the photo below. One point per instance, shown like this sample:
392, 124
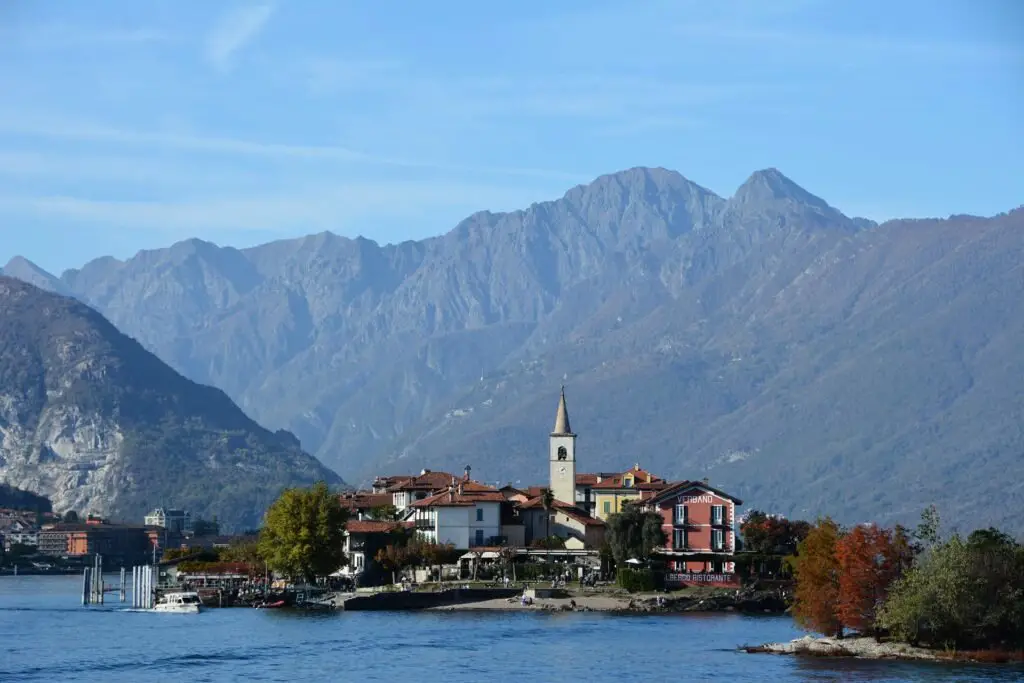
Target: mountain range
809, 362
98, 424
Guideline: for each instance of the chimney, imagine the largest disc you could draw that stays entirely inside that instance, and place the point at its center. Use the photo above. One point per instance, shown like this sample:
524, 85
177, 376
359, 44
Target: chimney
460, 487
707, 482
424, 471
466, 478
599, 478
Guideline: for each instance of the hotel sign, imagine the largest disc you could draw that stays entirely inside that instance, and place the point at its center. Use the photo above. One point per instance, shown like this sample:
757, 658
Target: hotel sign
701, 578
706, 498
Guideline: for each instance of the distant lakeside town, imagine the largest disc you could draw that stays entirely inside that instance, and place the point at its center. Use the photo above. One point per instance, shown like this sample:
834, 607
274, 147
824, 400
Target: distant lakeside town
626, 540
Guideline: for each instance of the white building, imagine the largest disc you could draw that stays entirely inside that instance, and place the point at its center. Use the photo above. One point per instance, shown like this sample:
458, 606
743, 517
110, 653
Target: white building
27, 537
359, 542
467, 515
172, 520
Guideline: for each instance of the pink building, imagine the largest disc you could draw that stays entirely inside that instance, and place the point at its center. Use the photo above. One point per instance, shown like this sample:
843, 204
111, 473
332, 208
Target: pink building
699, 524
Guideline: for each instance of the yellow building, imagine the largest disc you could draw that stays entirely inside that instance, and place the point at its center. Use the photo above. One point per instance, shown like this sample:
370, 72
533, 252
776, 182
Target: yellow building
610, 491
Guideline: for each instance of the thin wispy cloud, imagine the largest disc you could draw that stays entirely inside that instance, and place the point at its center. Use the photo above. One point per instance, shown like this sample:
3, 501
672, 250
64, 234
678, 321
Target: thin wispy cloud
62, 36
234, 31
127, 171
824, 44
307, 209
331, 75
224, 145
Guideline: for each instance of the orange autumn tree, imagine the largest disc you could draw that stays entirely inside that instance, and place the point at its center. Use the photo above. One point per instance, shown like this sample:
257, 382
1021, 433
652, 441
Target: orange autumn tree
870, 559
816, 597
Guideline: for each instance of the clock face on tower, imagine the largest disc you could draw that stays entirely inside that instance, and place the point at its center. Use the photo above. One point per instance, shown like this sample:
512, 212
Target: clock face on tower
561, 470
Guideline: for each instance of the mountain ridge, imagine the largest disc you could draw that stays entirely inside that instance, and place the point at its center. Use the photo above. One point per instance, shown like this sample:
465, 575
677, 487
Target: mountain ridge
92, 420
374, 355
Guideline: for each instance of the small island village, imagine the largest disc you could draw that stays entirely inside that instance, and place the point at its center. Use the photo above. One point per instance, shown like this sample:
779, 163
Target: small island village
562, 525
621, 541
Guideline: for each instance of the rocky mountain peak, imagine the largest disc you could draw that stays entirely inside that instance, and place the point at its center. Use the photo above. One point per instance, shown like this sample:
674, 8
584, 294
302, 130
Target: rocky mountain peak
770, 185
26, 271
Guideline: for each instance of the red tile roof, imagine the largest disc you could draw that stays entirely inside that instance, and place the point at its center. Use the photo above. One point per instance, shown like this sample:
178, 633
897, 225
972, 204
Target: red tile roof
427, 481
678, 487
478, 493
369, 526
567, 509
361, 500
615, 480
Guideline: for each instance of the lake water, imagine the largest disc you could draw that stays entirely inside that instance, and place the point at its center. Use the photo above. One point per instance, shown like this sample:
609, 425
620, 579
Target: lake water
46, 635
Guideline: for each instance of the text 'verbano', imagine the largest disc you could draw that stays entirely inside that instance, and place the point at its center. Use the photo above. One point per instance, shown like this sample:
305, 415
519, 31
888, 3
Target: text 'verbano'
695, 499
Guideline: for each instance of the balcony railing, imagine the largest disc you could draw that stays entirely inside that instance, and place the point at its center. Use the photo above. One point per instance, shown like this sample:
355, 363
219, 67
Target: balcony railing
424, 524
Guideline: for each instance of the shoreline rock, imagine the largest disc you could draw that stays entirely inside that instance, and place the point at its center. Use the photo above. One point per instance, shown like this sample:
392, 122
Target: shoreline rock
745, 602
858, 647
868, 648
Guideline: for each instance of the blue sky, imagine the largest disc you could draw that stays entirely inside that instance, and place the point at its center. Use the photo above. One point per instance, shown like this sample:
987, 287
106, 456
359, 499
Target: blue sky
127, 125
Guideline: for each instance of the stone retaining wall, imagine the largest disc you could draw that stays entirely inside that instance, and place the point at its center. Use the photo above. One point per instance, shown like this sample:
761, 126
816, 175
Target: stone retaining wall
410, 600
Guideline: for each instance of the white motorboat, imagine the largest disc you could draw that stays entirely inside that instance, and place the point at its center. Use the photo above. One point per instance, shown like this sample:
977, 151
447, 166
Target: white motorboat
179, 603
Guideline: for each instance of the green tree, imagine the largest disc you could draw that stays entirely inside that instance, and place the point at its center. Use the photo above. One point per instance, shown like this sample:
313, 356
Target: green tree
634, 533
175, 553
203, 527
385, 513
927, 532
303, 533
549, 543
434, 554
245, 550
771, 534
393, 559
507, 555
962, 594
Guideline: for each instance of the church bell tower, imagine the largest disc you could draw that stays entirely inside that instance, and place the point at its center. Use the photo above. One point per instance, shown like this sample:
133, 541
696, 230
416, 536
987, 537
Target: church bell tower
562, 456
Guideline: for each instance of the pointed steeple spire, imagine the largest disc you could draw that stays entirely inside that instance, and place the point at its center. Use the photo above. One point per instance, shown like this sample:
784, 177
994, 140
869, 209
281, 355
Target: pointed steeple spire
562, 417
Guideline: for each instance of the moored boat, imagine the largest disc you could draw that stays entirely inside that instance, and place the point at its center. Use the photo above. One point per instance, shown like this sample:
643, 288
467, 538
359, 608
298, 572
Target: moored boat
179, 603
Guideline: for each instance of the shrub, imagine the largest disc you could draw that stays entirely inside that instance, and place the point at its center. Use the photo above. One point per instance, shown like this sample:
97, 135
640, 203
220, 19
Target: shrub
637, 580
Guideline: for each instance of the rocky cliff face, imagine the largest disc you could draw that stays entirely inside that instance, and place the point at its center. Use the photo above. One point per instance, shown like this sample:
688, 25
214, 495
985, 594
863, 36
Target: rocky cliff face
70, 457
810, 362
97, 424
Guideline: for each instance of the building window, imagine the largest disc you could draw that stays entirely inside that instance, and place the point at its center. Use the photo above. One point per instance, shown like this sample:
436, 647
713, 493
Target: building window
717, 539
717, 514
678, 539
479, 537
479, 515
681, 514
607, 507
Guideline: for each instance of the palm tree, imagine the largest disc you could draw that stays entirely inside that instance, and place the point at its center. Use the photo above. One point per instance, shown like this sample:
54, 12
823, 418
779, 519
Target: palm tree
547, 499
